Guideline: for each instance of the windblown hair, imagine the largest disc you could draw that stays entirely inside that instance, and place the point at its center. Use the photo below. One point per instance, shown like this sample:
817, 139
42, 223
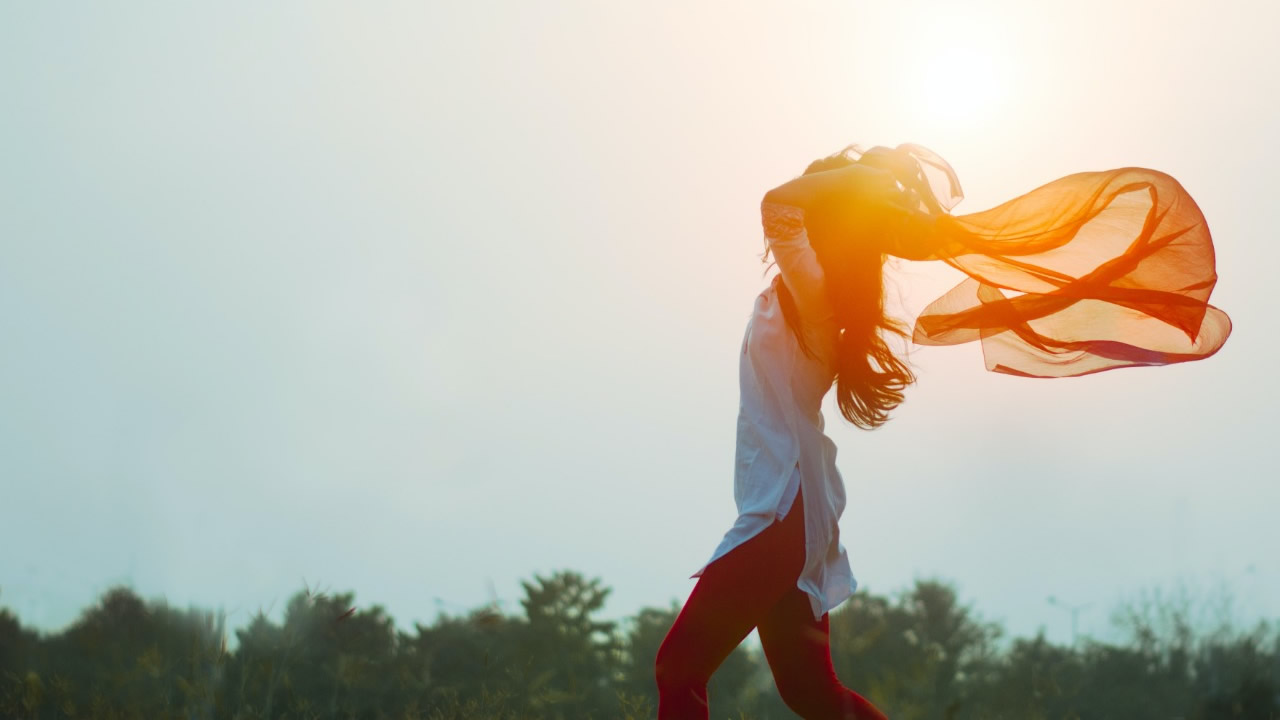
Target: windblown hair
870, 379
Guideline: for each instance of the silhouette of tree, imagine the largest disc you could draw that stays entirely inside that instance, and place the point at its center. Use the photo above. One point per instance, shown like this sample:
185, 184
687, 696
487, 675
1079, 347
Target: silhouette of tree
644, 636
17, 644
20, 652
122, 655
465, 657
1238, 678
920, 656
327, 658
580, 656
912, 655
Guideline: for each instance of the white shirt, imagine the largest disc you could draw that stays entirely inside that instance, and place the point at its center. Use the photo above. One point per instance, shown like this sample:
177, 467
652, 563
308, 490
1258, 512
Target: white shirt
781, 445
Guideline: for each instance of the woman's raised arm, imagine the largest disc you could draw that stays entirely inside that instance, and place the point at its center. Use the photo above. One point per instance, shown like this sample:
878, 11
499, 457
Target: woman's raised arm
840, 186
854, 201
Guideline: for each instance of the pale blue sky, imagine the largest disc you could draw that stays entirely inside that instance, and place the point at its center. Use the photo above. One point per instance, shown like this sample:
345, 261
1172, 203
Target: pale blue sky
410, 298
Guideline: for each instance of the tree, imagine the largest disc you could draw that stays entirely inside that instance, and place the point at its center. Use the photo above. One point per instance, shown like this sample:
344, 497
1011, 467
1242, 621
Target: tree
912, 656
329, 658
580, 656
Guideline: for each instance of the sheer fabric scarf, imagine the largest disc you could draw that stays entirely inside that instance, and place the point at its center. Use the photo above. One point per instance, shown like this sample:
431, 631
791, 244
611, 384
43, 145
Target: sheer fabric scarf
1093, 271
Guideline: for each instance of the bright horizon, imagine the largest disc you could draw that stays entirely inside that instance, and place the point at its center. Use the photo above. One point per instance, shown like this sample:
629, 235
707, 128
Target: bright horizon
286, 290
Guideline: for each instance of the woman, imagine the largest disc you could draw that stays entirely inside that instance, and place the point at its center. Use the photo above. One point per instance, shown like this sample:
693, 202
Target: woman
1132, 289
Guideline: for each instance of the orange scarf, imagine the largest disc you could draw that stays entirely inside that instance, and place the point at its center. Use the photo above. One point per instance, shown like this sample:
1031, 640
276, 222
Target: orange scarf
1090, 272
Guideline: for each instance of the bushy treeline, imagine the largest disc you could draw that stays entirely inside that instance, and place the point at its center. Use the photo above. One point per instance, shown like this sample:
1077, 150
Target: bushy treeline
920, 655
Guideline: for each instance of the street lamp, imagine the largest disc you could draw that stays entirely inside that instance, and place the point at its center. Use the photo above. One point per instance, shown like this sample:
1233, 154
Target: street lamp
1075, 614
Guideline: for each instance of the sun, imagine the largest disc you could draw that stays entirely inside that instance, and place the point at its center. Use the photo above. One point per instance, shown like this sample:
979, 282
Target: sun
963, 75
970, 85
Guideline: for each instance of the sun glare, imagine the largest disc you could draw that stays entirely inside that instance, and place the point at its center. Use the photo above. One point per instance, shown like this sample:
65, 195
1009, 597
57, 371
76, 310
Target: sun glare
964, 77
968, 85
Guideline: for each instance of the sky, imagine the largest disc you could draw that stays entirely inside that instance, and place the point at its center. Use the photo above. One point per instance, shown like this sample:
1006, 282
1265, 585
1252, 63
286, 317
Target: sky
421, 300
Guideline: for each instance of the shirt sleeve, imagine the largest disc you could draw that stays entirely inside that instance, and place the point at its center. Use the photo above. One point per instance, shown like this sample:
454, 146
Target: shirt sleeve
798, 264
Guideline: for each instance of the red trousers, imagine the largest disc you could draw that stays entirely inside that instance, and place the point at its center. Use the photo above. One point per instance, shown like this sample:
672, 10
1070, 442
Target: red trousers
754, 586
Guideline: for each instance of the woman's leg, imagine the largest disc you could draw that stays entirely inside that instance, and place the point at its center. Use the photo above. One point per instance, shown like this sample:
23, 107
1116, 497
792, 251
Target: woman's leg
731, 597
799, 653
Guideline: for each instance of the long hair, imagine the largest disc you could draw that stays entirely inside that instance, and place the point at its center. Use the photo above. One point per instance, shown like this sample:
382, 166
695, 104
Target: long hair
870, 378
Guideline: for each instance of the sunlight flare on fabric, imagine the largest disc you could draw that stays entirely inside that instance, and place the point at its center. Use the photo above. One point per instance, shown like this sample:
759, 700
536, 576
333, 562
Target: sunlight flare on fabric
1115, 269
